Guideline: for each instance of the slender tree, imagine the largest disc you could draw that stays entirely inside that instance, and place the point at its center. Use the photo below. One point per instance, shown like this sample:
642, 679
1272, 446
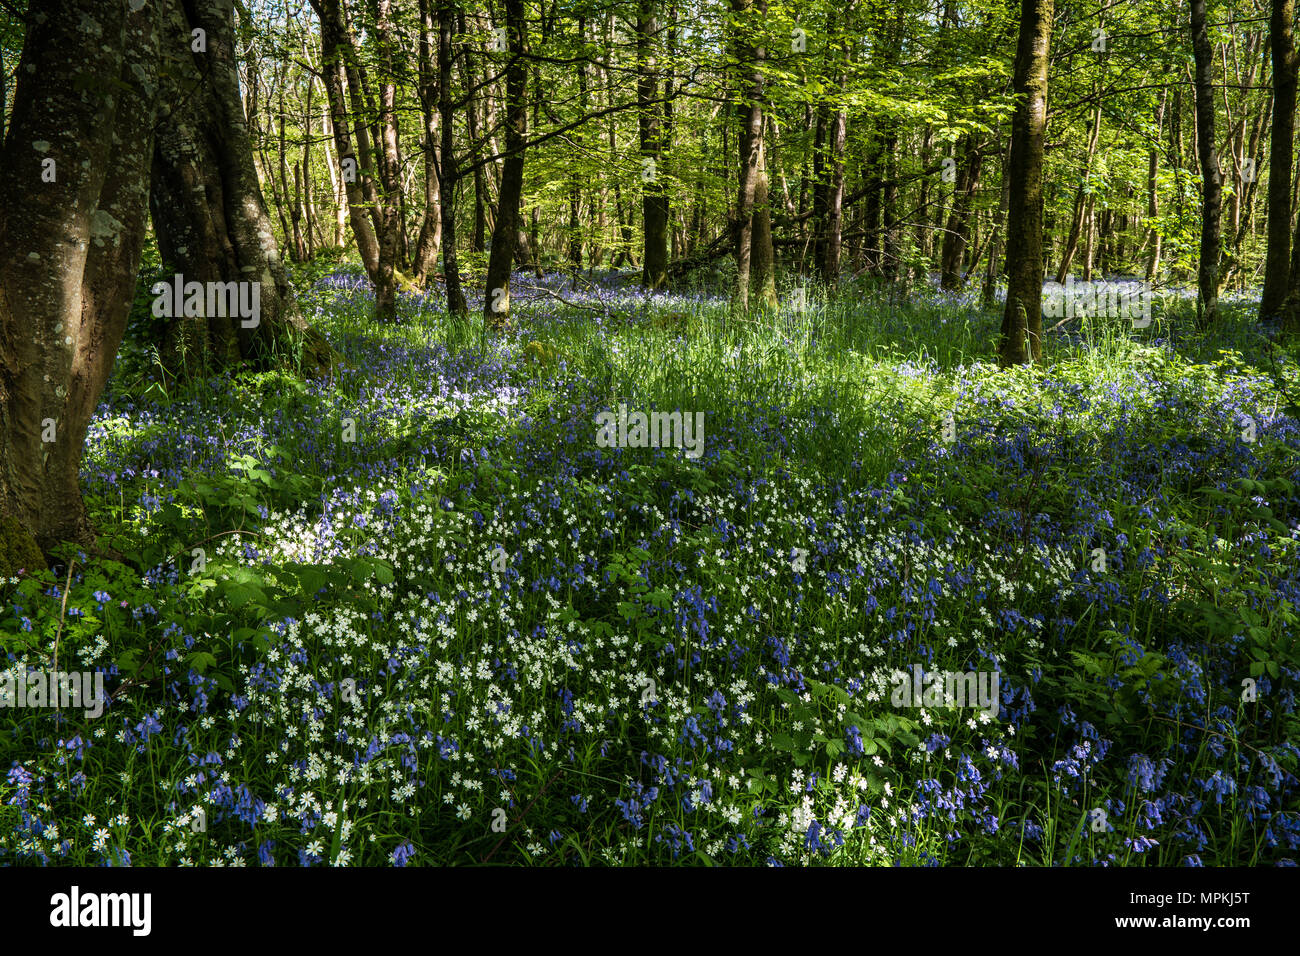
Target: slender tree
1022, 318
425, 257
1277, 262
749, 56
1207, 273
448, 171
505, 232
341, 56
654, 202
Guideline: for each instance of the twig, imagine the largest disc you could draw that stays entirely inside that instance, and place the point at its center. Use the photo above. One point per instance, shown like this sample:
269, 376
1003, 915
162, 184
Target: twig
523, 814
576, 305
62, 609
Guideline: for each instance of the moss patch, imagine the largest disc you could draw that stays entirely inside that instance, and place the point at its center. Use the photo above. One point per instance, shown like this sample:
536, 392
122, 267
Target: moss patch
18, 550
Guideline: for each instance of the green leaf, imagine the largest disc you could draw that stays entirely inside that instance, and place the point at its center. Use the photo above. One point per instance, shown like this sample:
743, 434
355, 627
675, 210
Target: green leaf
201, 660
241, 594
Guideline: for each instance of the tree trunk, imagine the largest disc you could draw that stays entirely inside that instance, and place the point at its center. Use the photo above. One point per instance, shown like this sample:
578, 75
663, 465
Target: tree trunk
956, 237
1022, 319
474, 101
505, 234
750, 112
889, 207
828, 192
208, 212
303, 172
1153, 193
1207, 275
1277, 263
391, 230
1079, 218
337, 187
349, 166
338, 46
871, 210
654, 198
297, 246
924, 245
763, 256
623, 246
988, 294
69, 247
425, 258
448, 174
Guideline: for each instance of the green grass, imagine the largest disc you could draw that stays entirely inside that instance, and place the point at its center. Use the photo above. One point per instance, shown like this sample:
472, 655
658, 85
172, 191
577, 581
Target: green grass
644, 583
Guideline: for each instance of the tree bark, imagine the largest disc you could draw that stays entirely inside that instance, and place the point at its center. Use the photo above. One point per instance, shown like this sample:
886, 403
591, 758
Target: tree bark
957, 235
889, 207
70, 247
923, 235
988, 294
424, 259
828, 192
1277, 263
339, 46
1207, 274
505, 233
654, 198
575, 184
474, 100
448, 173
1022, 319
303, 172
1079, 217
207, 207
750, 112
297, 246
1153, 193
335, 76
391, 230
763, 257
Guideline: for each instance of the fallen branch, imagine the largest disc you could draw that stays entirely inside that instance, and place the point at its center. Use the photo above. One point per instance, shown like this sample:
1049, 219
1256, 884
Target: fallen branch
576, 305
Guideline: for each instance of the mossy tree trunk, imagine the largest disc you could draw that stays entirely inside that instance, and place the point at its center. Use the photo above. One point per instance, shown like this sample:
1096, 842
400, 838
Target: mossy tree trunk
73, 202
208, 212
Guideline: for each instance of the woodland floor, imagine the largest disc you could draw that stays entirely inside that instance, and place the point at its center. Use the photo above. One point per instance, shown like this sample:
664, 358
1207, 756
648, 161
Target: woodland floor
418, 615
